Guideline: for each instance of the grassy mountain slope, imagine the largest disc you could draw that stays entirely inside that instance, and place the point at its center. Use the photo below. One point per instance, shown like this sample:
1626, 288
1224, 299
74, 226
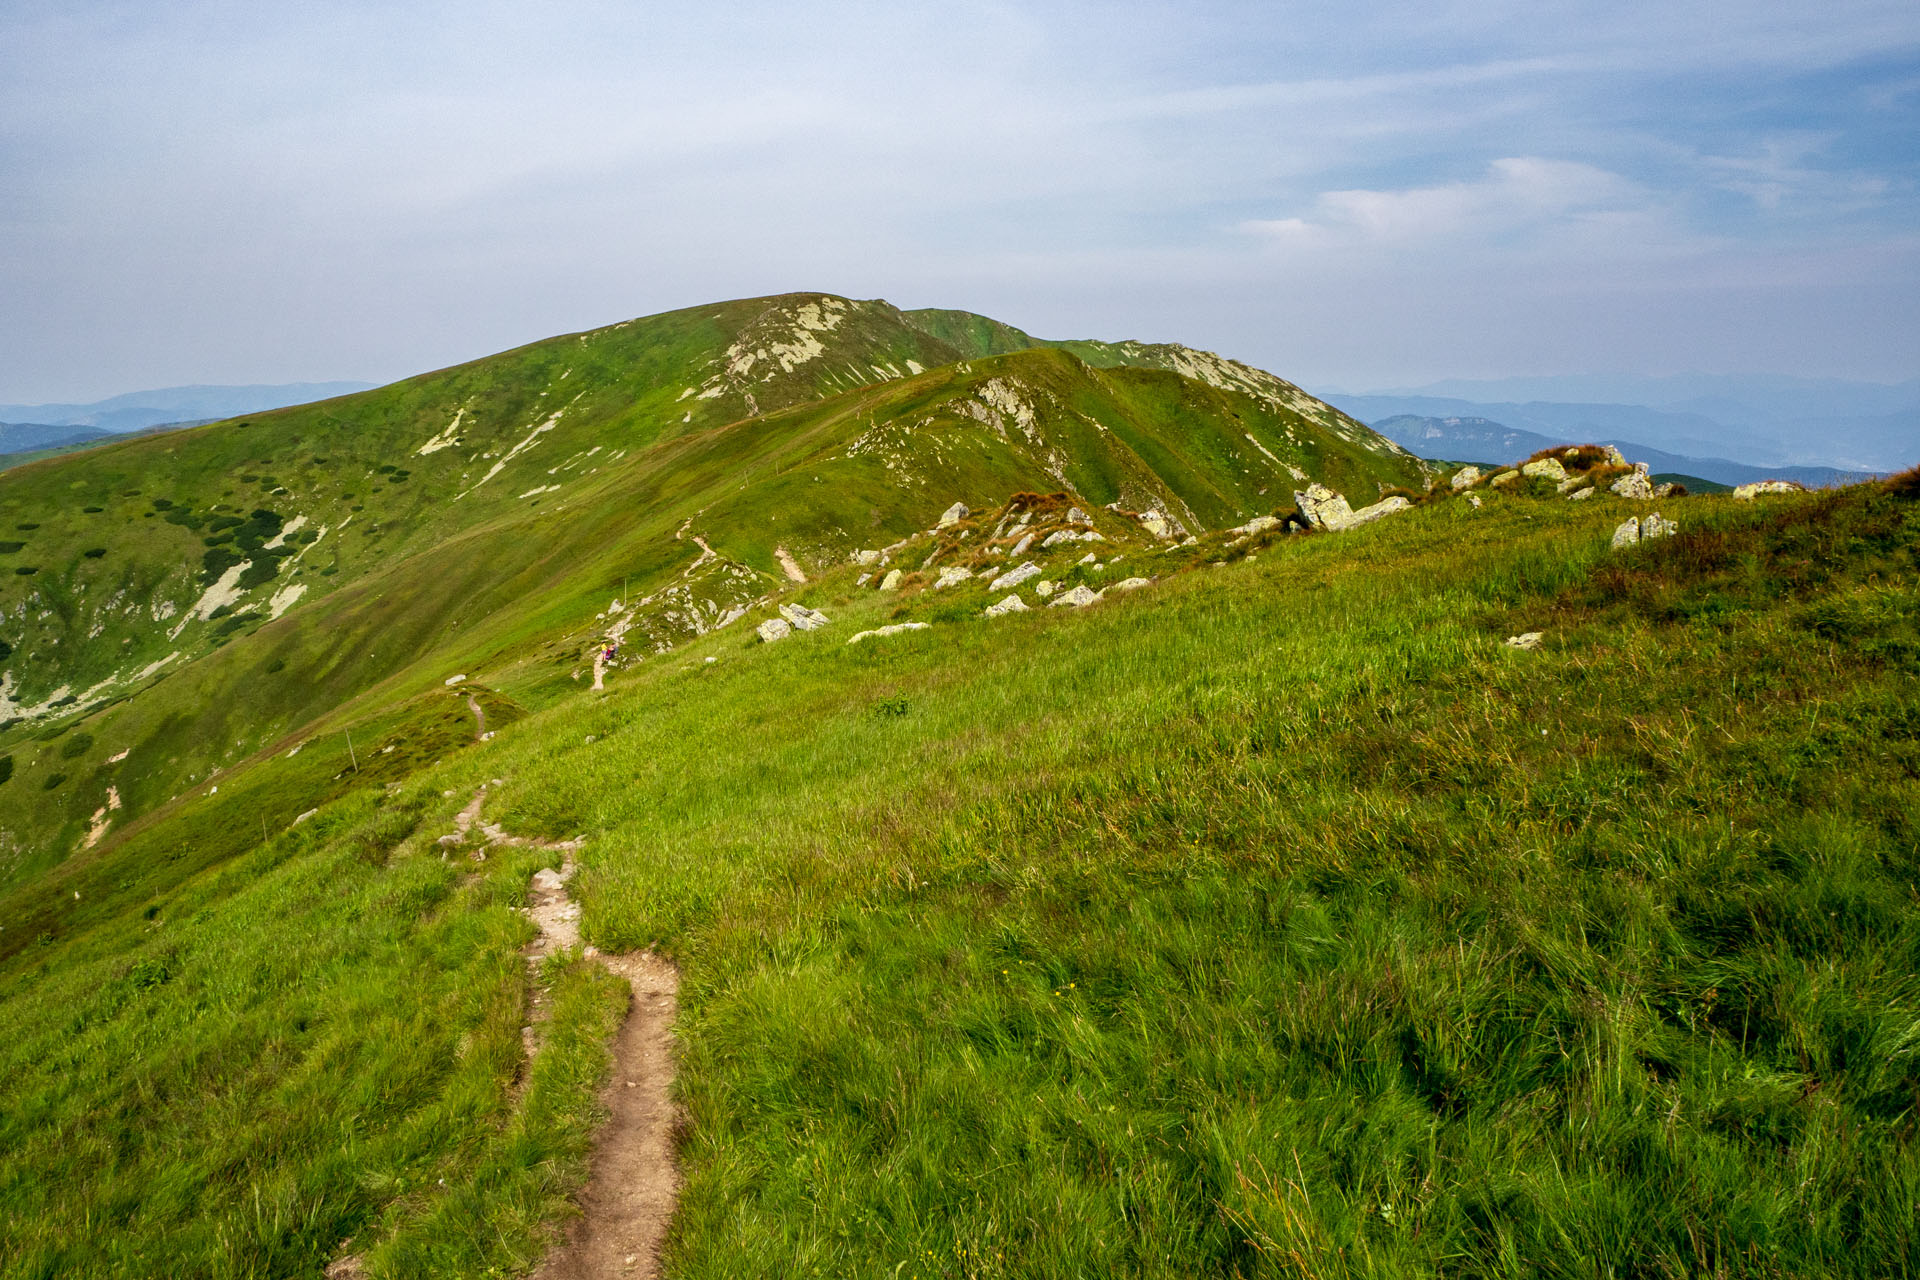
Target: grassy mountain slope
1275, 919
357, 586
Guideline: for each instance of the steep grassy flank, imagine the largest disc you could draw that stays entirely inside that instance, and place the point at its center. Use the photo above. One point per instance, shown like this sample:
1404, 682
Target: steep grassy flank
1275, 919
511, 589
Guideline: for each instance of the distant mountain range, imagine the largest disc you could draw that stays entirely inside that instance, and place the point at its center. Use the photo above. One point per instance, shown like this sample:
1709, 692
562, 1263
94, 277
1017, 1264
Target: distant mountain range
1484, 440
1850, 427
139, 410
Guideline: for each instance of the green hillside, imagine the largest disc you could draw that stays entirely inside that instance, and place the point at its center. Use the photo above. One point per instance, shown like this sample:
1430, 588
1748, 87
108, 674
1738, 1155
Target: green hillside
1267, 915
368, 547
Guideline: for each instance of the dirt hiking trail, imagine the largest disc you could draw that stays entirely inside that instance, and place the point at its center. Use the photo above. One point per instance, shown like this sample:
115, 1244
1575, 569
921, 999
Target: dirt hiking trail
633, 1185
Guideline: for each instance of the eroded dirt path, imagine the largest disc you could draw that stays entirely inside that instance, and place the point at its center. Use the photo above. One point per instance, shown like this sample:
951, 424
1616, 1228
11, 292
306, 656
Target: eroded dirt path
633, 1185
479, 718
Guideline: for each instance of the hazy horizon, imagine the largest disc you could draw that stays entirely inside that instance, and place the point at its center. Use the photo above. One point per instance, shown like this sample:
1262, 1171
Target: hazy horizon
1384, 195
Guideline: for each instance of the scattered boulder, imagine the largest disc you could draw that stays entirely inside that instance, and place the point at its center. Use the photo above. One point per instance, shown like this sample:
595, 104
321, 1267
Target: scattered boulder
1571, 482
1581, 495
1020, 547
1012, 604
1760, 488
453, 680
1131, 584
892, 630
1078, 598
1322, 508
1634, 485
1615, 457
1526, 640
1068, 535
803, 618
1666, 490
773, 629
866, 557
1076, 516
1466, 478
1259, 524
1643, 529
950, 576
1014, 577
953, 515
1545, 469
1156, 524
891, 582
1044, 588
1473, 500
1505, 477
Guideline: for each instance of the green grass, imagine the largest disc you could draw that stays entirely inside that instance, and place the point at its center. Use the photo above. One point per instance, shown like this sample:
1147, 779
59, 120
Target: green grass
1275, 920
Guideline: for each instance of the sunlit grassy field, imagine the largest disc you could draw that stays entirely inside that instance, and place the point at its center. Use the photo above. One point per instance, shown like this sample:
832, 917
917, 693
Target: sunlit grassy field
1276, 919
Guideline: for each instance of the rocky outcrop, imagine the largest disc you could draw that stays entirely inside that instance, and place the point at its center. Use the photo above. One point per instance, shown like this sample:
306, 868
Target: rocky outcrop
803, 618
1322, 508
1505, 478
951, 576
1078, 598
1637, 529
1059, 536
953, 515
1545, 469
893, 630
1465, 478
1014, 577
1012, 604
1761, 488
1633, 485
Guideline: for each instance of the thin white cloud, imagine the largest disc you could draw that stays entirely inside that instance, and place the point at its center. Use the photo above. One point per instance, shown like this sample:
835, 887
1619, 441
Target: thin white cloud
1517, 194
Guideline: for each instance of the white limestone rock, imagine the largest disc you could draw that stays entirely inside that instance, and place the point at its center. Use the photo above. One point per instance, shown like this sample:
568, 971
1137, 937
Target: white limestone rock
1078, 598
774, 629
1020, 547
1012, 604
1059, 536
1505, 477
952, 576
953, 515
1633, 485
893, 630
1322, 508
891, 582
1259, 524
1045, 588
1760, 488
1465, 478
803, 618
1582, 495
1076, 516
1014, 577
1545, 469
1131, 584
1627, 534
1526, 640
1657, 526
866, 557
1473, 500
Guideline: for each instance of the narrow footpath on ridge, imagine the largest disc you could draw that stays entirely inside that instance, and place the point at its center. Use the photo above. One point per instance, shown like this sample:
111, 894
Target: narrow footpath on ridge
633, 1186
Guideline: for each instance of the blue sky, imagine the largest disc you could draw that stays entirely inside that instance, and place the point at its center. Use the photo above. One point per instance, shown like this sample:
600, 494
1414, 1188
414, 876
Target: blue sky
1355, 195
